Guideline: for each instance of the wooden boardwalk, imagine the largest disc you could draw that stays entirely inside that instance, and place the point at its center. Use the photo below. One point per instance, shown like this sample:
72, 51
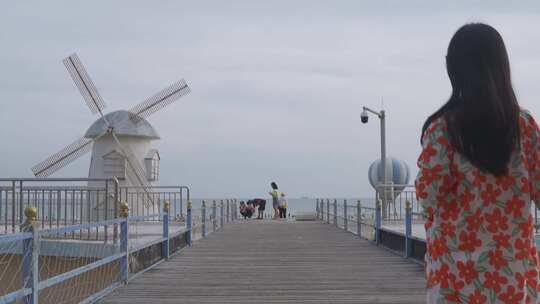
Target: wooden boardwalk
278, 262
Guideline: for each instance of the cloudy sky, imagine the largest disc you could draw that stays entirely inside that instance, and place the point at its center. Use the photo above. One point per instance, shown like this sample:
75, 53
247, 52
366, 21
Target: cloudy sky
277, 86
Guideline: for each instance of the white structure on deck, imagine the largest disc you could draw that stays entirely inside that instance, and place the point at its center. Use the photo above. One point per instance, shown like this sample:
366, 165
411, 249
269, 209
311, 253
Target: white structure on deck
120, 141
107, 158
397, 176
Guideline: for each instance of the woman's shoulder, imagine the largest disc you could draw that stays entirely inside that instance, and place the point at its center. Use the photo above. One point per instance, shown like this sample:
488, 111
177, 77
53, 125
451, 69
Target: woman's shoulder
525, 117
436, 128
527, 124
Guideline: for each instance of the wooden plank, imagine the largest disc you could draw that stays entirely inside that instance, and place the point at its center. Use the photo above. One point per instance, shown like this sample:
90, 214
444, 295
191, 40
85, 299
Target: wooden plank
278, 262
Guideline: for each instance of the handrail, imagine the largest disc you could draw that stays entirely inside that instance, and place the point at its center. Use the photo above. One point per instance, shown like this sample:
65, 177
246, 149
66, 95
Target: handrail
342, 214
59, 200
15, 237
120, 251
57, 179
144, 217
68, 229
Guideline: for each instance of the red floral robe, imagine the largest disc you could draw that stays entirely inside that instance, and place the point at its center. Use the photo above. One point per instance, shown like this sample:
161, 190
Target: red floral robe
479, 228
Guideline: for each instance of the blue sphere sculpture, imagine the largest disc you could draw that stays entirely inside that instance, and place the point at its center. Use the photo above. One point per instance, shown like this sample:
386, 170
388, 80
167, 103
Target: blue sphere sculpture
397, 172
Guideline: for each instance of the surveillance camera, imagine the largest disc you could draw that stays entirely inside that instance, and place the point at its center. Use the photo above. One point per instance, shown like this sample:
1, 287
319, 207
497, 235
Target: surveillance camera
364, 116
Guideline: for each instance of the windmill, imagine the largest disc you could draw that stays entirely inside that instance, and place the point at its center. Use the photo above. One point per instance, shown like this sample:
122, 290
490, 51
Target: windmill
118, 133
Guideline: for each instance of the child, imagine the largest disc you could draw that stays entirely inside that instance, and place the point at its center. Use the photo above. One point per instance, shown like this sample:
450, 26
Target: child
250, 209
243, 209
282, 206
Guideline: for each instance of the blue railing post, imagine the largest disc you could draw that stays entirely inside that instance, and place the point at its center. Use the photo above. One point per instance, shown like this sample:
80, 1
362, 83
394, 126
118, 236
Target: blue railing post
345, 215
189, 223
228, 211
408, 229
124, 260
116, 207
328, 211
165, 246
182, 204
322, 210
30, 258
203, 216
221, 217
317, 208
359, 219
235, 210
378, 222
335, 213
232, 210
214, 220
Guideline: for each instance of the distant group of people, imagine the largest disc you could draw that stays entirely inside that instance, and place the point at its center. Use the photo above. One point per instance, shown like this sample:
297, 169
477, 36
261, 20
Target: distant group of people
247, 209
279, 204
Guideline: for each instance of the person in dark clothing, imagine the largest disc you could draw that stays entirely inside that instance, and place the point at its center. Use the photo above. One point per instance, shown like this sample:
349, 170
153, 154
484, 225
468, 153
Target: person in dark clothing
242, 209
250, 209
247, 210
261, 204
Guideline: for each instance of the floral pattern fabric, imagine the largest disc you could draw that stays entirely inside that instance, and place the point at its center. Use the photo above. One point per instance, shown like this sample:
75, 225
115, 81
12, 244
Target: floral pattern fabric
479, 228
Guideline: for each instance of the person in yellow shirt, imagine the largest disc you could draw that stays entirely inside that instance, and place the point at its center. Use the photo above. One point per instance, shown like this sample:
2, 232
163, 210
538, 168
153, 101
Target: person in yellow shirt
275, 199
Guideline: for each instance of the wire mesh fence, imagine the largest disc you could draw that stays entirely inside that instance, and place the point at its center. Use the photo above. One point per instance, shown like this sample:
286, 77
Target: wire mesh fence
69, 271
43, 264
75, 240
11, 263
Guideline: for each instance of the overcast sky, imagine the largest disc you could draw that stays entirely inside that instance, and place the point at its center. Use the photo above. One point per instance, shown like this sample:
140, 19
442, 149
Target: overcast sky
277, 86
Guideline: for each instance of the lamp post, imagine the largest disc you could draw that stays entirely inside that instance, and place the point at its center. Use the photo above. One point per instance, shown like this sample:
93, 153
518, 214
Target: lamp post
382, 117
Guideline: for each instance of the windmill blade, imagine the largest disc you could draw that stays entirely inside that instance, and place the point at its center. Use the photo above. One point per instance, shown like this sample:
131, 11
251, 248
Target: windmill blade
160, 100
135, 169
84, 83
62, 158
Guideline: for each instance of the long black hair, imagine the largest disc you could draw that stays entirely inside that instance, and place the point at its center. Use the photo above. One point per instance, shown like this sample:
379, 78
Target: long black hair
482, 114
274, 185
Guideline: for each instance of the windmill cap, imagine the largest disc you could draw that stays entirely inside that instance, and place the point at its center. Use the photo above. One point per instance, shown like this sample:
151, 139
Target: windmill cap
123, 126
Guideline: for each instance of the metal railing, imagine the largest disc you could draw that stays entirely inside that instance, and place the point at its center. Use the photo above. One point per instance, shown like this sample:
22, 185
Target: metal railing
70, 201
137, 199
393, 198
396, 221
365, 222
392, 226
60, 201
39, 266
350, 216
210, 217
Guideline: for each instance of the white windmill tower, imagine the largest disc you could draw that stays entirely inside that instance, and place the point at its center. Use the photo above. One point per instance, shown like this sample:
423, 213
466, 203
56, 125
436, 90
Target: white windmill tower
120, 141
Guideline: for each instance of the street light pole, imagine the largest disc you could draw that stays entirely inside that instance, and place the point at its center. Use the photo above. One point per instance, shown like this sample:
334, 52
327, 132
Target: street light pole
382, 118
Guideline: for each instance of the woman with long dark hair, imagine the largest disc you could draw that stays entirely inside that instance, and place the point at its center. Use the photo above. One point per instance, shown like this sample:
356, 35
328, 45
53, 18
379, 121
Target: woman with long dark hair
479, 172
275, 199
